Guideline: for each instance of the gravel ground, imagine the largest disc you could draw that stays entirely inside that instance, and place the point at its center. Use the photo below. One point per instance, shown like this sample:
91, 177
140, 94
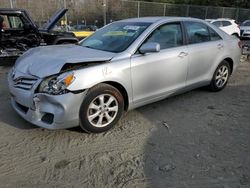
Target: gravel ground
197, 139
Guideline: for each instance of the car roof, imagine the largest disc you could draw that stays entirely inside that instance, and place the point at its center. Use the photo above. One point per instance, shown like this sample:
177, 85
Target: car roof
11, 10
223, 19
156, 19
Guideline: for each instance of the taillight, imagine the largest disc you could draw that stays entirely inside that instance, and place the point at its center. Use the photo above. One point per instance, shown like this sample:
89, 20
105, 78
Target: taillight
240, 44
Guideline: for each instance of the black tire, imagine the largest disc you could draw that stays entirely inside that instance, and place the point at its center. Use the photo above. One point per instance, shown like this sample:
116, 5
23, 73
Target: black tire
213, 86
91, 96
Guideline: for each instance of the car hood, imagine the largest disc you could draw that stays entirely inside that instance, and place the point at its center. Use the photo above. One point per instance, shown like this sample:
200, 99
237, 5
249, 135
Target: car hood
54, 19
49, 60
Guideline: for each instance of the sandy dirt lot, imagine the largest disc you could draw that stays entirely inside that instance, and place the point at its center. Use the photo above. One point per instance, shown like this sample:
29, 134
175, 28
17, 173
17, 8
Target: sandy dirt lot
198, 139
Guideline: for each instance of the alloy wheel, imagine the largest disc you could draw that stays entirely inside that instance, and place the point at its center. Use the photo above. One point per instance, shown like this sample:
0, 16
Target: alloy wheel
222, 76
102, 110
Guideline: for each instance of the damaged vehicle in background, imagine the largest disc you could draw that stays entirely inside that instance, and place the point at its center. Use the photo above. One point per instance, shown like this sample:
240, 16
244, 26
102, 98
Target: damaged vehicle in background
18, 33
122, 66
227, 25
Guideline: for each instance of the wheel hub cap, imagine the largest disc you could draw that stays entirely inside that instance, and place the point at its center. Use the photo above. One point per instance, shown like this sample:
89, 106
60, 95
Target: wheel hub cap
222, 76
102, 110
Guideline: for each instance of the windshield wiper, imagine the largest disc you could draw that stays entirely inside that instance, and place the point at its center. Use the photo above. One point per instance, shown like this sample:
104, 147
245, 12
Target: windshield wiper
88, 47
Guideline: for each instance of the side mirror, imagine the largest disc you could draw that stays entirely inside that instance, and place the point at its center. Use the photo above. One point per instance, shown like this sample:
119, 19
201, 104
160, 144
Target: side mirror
150, 47
27, 26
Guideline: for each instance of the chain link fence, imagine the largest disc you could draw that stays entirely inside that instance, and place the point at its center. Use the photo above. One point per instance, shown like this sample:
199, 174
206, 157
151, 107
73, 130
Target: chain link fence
93, 12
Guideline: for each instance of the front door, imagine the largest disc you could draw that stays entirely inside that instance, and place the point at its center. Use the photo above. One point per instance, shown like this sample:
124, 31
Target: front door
155, 75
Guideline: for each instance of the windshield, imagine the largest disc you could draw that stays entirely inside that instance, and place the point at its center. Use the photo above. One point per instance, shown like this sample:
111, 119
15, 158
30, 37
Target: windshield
115, 37
247, 23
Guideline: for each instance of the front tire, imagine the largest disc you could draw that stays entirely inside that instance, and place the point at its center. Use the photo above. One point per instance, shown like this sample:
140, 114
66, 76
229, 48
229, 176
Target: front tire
101, 109
220, 77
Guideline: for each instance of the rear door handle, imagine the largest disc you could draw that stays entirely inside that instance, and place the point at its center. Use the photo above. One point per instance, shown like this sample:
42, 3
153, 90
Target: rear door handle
220, 46
183, 54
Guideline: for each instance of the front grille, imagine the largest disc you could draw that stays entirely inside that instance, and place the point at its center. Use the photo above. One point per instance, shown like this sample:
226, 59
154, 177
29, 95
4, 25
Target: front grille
24, 83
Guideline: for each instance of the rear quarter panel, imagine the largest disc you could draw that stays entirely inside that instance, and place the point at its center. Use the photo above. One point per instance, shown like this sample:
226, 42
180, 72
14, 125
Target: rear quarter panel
231, 50
234, 51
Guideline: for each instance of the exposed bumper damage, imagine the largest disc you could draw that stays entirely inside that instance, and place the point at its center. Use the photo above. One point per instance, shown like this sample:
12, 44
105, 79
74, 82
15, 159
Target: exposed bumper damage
47, 111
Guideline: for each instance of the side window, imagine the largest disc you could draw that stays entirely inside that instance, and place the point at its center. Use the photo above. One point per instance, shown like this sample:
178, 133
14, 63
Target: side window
217, 23
168, 36
15, 22
197, 32
213, 35
226, 23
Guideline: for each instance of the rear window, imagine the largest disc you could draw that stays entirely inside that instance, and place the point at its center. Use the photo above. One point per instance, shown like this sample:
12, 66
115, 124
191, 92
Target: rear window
226, 23
246, 23
217, 23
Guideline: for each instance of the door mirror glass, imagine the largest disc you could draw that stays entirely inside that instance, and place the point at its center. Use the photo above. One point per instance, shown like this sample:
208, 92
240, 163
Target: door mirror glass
150, 47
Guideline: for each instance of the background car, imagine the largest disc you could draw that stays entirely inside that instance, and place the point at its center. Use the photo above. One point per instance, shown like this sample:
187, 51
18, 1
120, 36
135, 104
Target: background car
20, 33
122, 66
227, 25
83, 31
245, 29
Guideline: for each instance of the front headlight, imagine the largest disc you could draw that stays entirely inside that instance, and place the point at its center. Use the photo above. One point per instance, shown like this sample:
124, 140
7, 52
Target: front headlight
57, 85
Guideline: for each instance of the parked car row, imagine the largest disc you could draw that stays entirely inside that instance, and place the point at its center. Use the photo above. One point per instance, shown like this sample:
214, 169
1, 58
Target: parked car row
231, 27
245, 29
18, 33
80, 31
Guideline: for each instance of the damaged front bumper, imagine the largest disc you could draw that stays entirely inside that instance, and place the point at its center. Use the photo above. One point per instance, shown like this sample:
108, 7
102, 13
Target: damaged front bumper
44, 110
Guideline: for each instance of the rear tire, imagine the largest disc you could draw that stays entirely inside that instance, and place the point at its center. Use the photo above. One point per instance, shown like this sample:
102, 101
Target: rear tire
101, 109
220, 77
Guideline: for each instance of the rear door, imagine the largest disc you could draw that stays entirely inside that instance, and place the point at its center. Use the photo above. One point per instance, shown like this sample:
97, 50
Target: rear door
204, 45
157, 74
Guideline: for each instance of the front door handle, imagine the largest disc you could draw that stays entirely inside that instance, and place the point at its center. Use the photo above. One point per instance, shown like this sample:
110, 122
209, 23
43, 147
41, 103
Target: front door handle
183, 54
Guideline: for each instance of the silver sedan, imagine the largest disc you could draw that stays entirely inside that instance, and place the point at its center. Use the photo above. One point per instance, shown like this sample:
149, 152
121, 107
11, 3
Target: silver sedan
124, 65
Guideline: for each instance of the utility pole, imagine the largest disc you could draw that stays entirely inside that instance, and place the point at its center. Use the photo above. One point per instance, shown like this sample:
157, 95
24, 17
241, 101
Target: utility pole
138, 9
66, 17
11, 4
104, 4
